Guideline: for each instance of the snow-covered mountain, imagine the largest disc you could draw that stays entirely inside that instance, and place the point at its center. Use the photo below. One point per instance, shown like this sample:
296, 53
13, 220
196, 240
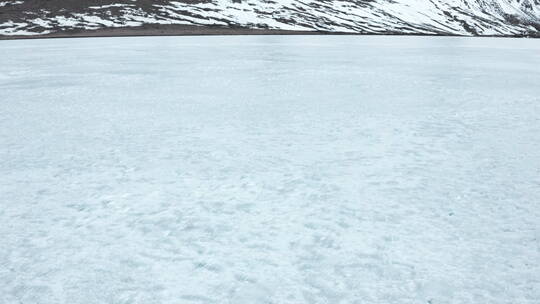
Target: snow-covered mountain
454, 17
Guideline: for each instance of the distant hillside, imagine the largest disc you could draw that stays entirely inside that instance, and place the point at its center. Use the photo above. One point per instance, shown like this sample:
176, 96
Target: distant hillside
438, 17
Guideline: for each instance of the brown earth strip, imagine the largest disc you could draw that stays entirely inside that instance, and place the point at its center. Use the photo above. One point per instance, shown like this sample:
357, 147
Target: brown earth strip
195, 30
163, 30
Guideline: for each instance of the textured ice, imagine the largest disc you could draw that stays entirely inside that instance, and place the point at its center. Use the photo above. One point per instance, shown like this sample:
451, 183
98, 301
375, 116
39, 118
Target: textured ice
270, 169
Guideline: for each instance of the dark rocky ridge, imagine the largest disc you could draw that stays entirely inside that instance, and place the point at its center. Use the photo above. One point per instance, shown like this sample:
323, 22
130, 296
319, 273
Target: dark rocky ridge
428, 17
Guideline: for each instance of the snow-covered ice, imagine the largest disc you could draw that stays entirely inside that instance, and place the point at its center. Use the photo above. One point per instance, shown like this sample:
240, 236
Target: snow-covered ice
270, 169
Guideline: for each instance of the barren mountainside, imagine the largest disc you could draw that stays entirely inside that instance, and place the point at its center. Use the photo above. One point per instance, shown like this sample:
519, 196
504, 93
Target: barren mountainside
439, 17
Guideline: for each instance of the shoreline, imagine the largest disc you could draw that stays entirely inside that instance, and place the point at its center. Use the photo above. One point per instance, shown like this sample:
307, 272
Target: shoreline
195, 30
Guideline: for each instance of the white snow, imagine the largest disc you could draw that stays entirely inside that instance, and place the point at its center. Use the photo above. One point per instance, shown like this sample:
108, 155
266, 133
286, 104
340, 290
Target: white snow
270, 169
17, 28
95, 21
67, 21
5, 3
110, 5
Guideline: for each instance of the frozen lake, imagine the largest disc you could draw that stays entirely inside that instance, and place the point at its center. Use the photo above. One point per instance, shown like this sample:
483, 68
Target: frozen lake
270, 169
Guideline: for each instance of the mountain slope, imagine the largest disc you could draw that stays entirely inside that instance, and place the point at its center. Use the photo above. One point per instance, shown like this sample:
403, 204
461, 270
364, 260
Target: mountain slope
445, 17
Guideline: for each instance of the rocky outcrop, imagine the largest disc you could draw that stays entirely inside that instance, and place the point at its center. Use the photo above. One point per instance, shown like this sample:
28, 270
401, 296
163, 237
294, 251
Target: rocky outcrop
437, 17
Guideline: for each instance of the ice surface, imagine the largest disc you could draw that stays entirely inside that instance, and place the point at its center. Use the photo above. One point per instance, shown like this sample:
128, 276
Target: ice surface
270, 169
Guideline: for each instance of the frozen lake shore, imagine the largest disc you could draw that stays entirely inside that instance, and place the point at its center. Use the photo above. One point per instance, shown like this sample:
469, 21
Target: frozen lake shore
270, 169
